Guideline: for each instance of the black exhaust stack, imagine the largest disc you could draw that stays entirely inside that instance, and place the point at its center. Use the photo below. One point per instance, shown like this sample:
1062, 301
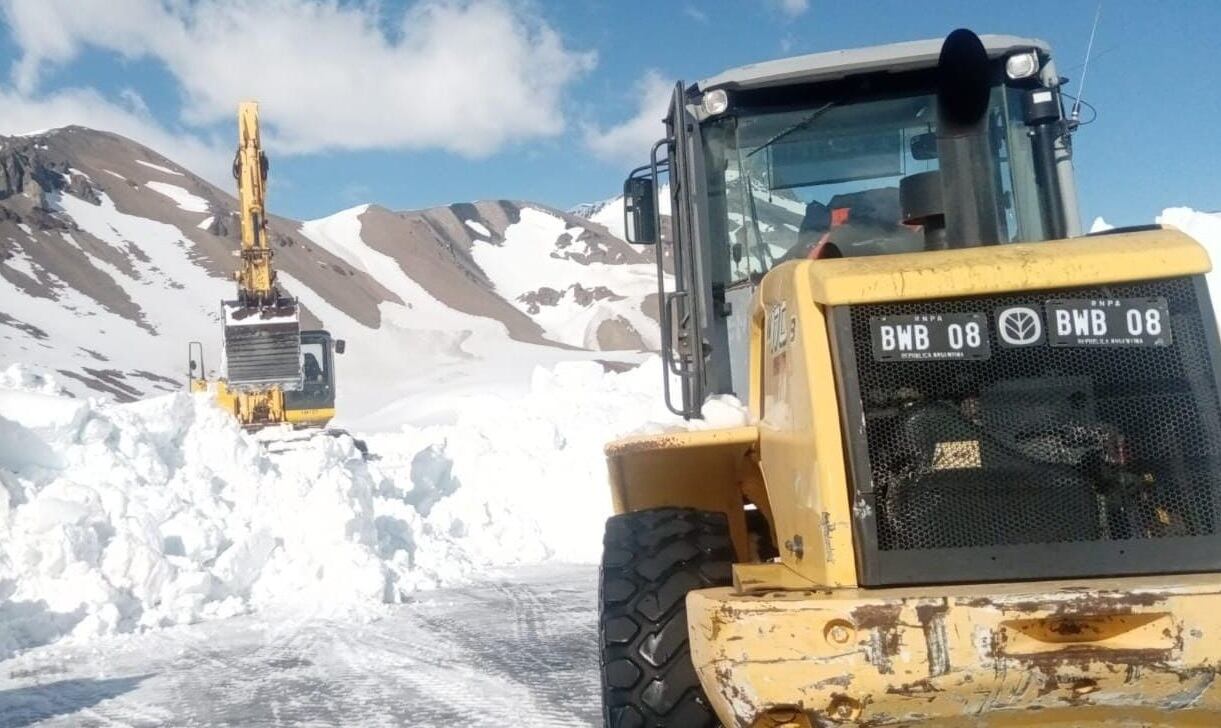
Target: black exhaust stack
970, 192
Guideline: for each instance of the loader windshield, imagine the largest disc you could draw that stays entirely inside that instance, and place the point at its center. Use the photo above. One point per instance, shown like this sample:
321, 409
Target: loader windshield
824, 178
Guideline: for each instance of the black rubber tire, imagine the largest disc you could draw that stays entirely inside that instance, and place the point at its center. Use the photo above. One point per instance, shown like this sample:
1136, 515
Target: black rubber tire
650, 560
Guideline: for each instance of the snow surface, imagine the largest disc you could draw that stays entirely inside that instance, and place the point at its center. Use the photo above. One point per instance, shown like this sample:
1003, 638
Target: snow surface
479, 228
532, 239
163, 511
429, 358
159, 168
161, 271
609, 213
183, 198
515, 648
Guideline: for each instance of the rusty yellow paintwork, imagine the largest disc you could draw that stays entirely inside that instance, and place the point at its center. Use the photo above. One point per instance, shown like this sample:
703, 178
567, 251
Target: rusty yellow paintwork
1104, 651
801, 449
796, 643
1118, 258
766, 577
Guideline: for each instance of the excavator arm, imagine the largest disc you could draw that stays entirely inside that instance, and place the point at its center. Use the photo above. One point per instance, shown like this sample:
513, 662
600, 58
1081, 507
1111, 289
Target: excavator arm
256, 279
262, 329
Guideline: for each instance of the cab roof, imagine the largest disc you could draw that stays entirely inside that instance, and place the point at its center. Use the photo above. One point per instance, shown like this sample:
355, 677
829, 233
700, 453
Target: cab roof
833, 65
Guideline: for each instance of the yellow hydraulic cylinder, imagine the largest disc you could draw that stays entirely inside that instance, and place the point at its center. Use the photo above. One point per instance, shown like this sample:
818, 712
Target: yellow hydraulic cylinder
256, 280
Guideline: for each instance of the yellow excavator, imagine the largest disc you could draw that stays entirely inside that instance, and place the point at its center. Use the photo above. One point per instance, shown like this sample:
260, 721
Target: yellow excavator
981, 479
274, 373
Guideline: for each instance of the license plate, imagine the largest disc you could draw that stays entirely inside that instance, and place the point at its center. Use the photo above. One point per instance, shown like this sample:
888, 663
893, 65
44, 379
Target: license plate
927, 337
1108, 322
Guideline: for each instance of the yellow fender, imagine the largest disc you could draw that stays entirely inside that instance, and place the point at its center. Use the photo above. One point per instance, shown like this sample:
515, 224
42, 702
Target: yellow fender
708, 470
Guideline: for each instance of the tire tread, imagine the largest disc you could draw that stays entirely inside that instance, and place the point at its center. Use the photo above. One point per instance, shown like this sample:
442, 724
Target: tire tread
651, 559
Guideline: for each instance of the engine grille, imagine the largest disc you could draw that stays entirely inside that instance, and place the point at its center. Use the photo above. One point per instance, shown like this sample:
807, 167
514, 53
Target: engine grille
1037, 444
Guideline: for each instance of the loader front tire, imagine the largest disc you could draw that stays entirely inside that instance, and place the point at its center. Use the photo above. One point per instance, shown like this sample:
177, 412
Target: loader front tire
650, 560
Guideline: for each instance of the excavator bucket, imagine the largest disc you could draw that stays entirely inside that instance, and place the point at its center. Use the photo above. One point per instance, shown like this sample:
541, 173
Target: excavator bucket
262, 345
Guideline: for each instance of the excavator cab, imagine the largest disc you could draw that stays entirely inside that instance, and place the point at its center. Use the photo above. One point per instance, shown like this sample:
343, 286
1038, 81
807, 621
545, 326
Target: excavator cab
314, 403
981, 479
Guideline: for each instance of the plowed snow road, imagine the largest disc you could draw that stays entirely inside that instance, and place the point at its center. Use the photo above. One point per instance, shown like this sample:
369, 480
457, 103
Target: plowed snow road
515, 649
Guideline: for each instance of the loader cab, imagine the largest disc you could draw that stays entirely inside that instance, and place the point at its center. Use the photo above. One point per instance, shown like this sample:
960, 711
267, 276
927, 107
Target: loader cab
314, 403
981, 477
854, 153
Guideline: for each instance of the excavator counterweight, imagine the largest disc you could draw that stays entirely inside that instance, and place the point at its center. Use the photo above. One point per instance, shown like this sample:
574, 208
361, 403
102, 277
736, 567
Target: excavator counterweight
262, 346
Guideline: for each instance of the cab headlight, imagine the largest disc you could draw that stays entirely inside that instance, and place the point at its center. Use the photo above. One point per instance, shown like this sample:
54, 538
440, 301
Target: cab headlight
1022, 65
716, 102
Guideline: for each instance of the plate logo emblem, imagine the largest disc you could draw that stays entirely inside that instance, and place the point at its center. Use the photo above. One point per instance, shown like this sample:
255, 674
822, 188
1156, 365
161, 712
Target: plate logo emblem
1019, 326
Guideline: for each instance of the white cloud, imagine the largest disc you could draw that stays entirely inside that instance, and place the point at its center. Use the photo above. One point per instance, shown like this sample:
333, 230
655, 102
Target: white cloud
468, 76
205, 156
628, 143
792, 8
695, 13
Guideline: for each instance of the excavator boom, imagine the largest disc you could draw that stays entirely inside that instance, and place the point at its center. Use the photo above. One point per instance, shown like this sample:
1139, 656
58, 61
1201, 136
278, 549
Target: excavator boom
262, 327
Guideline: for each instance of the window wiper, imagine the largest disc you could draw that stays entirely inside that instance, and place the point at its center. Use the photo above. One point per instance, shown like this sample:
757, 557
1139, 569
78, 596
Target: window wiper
809, 119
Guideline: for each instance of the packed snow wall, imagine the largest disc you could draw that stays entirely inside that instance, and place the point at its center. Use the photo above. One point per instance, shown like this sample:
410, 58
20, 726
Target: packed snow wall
119, 517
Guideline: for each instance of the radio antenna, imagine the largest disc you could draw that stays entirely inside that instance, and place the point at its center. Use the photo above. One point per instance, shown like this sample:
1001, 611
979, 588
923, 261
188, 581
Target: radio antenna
1089, 54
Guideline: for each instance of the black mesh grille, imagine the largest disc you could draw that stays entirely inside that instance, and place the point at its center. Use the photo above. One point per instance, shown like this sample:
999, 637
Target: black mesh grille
1042, 444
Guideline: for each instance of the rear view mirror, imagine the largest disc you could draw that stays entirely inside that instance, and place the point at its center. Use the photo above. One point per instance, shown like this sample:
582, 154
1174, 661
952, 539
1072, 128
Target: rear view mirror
924, 146
340, 345
639, 211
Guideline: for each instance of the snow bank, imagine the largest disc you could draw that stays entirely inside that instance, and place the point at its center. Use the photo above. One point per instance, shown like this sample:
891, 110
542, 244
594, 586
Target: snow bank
117, 518
1206, 228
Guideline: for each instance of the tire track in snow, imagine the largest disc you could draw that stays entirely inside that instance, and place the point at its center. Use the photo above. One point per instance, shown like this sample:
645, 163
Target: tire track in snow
518, 649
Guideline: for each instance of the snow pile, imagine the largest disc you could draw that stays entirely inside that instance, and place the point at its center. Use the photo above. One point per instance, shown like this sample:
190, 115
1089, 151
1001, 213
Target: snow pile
119, 517
1203, 226
1206, 228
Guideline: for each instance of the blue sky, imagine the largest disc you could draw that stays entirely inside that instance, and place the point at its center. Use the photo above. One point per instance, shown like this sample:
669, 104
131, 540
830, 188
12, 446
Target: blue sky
413, 104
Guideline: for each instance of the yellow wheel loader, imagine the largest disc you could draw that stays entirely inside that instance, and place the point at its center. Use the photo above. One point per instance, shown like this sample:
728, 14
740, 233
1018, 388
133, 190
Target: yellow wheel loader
274, 373
983, 481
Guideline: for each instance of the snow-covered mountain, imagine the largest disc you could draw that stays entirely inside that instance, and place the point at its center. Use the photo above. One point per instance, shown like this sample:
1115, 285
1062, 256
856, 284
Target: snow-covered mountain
609, 213
113, 257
